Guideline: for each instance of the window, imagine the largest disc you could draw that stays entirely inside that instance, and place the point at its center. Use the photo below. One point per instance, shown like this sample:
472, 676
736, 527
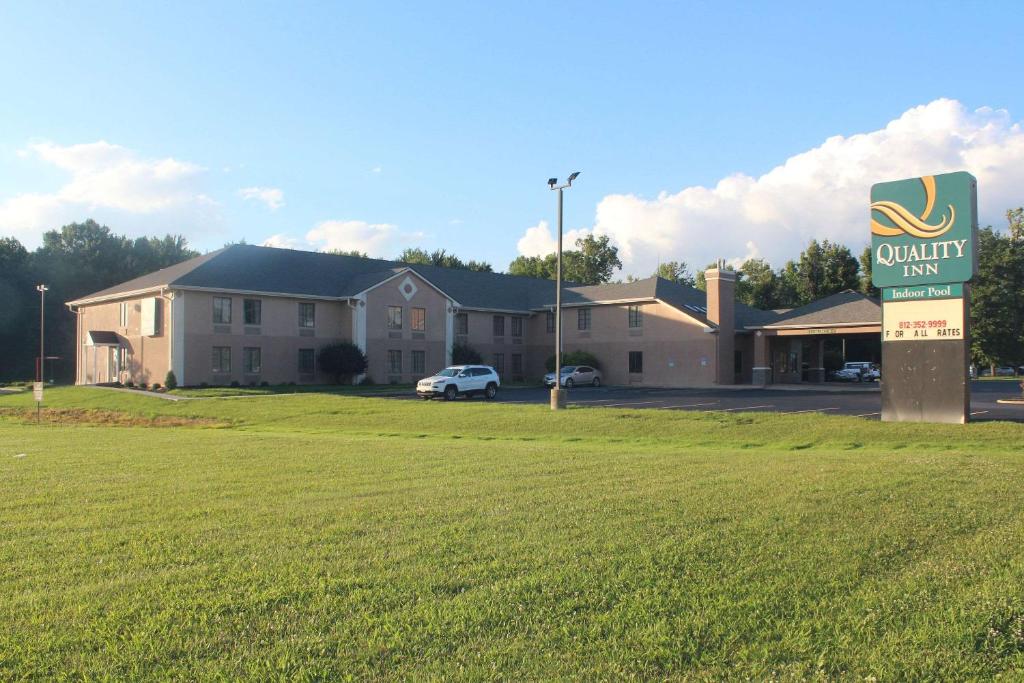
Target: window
307, 315
252, 311
551, 322
122, 314
307, 361
395, 362
394, 317
517, 365
499, 364
636, 317
636, 362
222, 359
583, 319
419, 362
222, 310
419, 319
517, 326
499, 326
461, 323
251, 359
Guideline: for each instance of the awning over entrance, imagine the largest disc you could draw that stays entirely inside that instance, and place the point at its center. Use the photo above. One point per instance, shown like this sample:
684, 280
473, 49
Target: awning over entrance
791, 348
103, 338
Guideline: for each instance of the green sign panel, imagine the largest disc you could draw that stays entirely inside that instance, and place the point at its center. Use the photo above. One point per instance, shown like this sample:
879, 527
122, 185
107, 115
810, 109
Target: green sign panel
923, 230
919, 292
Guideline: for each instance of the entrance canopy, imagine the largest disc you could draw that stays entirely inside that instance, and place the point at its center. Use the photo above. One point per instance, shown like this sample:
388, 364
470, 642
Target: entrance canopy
103, 338
791, 346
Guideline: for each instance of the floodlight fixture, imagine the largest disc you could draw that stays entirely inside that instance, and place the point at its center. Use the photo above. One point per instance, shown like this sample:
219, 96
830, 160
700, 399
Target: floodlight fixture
552, 182
572, 176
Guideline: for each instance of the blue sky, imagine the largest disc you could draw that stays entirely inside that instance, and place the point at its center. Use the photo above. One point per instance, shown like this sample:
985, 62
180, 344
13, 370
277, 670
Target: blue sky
438, 124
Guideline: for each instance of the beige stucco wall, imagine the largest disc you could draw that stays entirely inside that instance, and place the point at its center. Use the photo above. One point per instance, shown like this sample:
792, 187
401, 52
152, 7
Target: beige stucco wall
379, 339
482, 338
677, 351
148, 356
278, 337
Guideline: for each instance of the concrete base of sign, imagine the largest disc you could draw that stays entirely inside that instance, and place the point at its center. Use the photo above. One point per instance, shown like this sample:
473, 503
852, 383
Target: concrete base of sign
762, 376
925, 381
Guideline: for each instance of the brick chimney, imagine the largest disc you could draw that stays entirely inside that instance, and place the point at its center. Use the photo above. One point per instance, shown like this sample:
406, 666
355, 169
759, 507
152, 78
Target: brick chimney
721, 290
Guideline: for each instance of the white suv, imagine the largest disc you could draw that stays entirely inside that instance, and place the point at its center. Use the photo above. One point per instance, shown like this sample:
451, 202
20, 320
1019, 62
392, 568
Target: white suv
460, 379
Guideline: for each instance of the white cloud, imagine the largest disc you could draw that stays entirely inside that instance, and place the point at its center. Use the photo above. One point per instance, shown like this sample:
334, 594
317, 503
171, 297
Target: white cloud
271, 196
540, 240
382, 240
111, 184
821, 193
377, 170
373, 238
281, 241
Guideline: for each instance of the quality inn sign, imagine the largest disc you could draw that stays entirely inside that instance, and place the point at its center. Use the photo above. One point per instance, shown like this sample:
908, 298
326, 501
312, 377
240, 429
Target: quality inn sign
923, 230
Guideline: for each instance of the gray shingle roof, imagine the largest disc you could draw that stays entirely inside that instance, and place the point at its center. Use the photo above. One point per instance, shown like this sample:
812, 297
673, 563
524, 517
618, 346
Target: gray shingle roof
843, 308
250, 268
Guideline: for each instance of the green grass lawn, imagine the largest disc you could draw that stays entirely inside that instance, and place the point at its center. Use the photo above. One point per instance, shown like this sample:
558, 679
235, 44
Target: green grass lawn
329, 536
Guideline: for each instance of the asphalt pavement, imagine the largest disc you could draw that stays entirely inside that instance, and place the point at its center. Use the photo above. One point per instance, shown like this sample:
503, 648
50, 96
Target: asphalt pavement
856, 400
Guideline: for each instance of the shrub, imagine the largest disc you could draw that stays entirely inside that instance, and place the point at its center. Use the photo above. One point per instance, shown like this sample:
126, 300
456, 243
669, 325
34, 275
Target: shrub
170, 381
234, 384
367, 381
464, 354
574, 358
343, 361
130, 384
204, 385
155, 386
143, 386
264, 383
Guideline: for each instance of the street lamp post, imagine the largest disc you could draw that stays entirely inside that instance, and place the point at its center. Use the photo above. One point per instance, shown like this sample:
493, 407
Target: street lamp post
40, 365
557, 395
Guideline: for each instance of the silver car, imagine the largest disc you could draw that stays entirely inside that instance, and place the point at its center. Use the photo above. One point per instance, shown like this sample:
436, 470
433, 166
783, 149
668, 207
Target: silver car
575, 375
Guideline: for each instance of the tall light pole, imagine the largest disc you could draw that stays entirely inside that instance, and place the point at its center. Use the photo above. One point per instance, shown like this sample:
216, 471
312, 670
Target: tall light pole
42, 289
557, 395
40, 366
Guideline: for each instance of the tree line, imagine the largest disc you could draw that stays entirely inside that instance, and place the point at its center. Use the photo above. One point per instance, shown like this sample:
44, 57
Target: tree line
82, 258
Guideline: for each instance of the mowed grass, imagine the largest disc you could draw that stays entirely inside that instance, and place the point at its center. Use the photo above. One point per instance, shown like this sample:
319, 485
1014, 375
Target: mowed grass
332, 537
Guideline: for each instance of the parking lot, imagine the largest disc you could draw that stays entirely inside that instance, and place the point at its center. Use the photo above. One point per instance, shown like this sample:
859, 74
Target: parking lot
856, 400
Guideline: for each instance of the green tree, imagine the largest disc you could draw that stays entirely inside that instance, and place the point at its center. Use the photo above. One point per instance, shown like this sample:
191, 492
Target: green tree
787, 290
823, 269
700, 282
533, 266
759, 284
592, 263
997, 308
866, 286
351, 252
594, 260
442, 259
676, 271
343, 361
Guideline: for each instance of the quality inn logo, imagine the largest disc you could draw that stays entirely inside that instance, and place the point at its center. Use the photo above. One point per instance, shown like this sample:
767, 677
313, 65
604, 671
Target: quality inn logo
904, 221
923, 230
